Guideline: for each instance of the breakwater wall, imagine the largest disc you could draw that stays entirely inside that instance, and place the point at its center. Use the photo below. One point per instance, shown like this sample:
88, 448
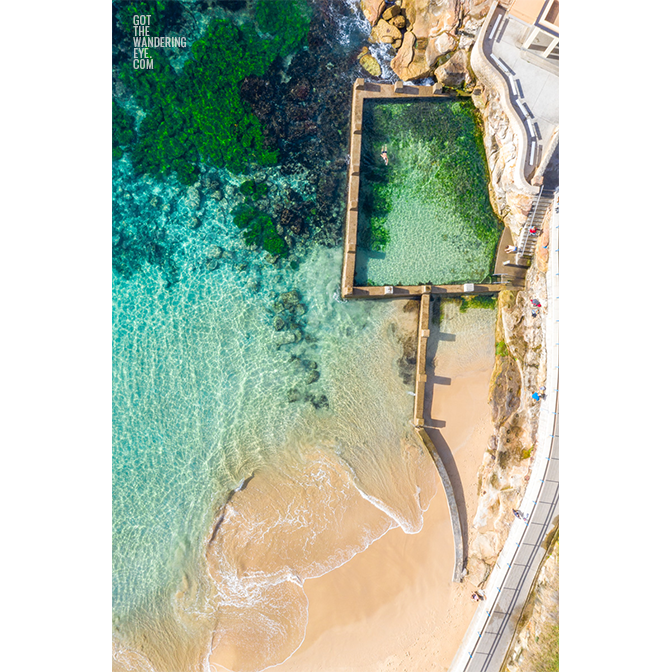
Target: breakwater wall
418, 423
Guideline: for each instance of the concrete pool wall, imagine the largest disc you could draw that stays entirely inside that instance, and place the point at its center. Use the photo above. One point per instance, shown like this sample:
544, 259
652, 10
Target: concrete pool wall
361, 91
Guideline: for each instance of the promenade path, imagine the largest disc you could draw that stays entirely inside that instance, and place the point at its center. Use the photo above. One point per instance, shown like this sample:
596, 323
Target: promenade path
533, 87
489, 635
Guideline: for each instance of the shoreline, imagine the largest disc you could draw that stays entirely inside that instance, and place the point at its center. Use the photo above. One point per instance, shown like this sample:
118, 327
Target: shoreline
394, 606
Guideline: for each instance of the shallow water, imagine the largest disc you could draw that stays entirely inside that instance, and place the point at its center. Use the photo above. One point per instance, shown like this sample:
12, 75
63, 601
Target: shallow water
432, 197
201, 404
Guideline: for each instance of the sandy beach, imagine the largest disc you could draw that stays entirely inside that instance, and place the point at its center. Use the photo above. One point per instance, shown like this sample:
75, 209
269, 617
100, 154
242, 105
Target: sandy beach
394, 606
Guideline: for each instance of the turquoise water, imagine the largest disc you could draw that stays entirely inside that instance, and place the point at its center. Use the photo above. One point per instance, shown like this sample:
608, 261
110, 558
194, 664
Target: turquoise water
207, 397
432, 197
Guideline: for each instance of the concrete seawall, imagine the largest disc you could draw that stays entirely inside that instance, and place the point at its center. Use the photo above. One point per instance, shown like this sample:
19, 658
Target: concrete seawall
419, 421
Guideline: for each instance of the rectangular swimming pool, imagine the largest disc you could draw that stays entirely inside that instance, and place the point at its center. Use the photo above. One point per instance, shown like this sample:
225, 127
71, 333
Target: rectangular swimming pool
425, 217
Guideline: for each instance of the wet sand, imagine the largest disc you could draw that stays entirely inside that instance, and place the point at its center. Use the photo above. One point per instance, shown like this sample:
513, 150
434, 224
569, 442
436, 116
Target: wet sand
394, 606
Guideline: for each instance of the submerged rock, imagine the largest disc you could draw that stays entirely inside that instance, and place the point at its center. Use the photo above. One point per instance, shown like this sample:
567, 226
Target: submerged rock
318, 400
293, 395
278, 323
313, 376
214, 252
291, 298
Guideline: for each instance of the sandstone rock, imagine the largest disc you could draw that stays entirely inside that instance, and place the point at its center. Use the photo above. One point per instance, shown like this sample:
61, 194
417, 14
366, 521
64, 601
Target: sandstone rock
478, 571
193, 222
391, 12
369, 63
384, 32
454, 72
405, 54
372, 9
398, 21
410, 63
485, 546
438, 46
430, 18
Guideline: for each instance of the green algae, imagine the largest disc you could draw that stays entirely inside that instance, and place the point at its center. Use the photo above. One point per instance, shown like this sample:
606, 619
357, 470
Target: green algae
432, 197
197, 115
123, 132
258, 229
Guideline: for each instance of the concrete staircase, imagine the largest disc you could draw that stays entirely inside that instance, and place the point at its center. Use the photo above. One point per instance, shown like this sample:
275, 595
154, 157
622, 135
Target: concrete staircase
527, 240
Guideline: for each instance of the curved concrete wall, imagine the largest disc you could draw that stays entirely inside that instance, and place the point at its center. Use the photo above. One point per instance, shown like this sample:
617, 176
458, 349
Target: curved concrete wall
460, 559
490, 76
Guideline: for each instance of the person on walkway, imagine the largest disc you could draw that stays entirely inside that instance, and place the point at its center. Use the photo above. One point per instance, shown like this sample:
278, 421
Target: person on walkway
534, 230
383, 153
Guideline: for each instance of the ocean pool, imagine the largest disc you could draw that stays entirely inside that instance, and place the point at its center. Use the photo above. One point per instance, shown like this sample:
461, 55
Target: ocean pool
426, 216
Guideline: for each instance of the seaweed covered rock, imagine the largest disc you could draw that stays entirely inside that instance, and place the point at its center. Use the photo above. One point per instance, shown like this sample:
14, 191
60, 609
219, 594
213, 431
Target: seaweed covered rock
258, 229
197, 115
123, 132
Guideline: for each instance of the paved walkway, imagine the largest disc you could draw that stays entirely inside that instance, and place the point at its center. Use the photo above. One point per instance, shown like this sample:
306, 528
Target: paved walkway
495, 638
533, 90
489, 635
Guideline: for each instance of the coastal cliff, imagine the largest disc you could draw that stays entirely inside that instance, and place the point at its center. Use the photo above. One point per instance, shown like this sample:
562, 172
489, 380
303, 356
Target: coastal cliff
519, 372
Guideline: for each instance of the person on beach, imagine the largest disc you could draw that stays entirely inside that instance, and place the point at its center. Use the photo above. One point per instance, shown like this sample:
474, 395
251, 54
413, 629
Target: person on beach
539, 395
536, 303
510, 249
383, 153
478, 596
520, 515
